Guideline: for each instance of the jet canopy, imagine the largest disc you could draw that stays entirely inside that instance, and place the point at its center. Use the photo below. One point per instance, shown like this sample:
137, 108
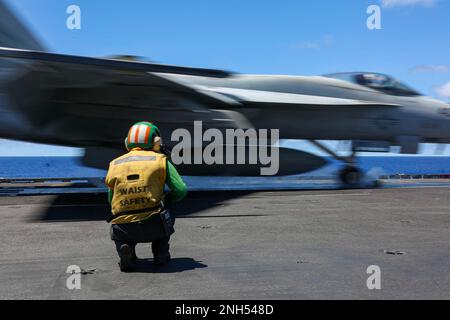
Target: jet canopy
376, 81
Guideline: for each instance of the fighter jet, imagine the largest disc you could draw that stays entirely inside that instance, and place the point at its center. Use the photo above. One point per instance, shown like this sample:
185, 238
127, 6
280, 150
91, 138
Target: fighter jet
91, 102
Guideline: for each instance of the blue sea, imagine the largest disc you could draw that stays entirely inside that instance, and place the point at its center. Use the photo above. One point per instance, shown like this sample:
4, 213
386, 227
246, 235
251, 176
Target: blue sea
71, 167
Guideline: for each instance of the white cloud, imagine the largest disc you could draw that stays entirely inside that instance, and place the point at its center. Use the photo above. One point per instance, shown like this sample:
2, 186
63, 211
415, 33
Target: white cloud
325, 41
400, 3
442, 68
308, 45
443, 91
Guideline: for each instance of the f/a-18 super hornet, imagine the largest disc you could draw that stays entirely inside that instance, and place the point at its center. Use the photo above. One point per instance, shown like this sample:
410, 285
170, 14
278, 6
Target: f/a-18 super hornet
91, 102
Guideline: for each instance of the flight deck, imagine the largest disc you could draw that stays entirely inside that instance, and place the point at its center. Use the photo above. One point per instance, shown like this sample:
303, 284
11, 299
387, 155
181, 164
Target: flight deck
241, 244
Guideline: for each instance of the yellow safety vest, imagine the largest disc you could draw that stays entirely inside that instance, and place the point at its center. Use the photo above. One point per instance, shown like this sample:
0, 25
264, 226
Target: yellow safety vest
137, 179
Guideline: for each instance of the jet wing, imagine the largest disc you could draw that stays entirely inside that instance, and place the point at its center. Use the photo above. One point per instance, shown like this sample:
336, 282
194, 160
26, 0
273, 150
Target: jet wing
96, 100
247, 96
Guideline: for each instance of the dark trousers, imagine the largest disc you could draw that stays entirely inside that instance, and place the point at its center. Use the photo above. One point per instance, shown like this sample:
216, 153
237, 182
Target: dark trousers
149, 230
159, 247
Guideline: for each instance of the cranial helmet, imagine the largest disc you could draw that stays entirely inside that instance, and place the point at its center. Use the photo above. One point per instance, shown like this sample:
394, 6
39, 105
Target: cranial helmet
144, 135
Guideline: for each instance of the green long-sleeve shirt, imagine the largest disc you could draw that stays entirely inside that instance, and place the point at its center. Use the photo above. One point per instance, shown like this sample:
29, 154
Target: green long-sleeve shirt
178, 189
176, 185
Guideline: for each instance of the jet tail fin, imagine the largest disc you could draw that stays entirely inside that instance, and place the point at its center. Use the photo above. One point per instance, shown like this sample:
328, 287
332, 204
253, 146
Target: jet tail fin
13, 33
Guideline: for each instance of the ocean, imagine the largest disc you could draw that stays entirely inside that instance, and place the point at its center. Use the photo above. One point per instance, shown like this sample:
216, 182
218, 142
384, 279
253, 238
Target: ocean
71, 167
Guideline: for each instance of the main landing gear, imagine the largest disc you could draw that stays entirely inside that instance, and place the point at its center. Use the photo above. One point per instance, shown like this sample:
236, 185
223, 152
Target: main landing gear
351, 176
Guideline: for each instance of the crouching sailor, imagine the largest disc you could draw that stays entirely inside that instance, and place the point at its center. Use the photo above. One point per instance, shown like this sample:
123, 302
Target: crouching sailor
136, 183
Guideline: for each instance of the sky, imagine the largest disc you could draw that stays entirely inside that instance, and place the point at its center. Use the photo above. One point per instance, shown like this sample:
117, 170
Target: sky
298, 37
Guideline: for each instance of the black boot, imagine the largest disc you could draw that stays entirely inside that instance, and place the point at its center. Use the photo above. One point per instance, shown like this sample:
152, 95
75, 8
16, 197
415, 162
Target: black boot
160, 249
161, 259
127, 261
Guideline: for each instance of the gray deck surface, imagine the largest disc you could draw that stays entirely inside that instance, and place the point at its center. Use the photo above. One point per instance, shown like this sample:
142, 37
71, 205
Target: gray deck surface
237, 245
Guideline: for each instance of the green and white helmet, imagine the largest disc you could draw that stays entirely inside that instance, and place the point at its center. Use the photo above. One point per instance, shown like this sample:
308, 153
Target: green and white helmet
142, 135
